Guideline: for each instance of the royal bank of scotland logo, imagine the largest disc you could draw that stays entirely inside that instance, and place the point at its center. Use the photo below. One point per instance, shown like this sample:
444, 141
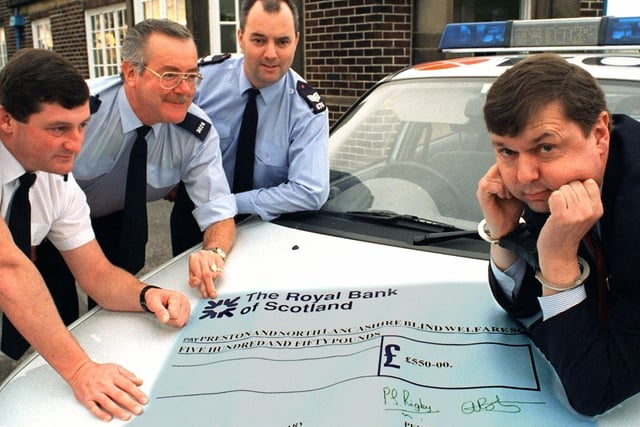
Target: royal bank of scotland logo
219, 308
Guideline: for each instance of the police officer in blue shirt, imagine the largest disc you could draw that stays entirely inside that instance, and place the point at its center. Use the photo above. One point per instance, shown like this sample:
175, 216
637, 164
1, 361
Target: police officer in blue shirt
291, 165
154, 92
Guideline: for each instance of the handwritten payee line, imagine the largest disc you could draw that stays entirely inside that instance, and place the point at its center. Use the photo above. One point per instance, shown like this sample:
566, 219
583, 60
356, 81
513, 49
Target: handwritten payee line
281, 348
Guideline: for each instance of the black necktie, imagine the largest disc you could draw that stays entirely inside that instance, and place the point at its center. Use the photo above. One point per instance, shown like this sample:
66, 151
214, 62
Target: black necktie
131, 255
592, 242
13, 345
243, 172
20, 214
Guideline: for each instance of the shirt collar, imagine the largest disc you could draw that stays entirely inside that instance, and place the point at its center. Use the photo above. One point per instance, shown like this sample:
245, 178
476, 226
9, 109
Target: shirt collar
11, 168
128, 118
268, 93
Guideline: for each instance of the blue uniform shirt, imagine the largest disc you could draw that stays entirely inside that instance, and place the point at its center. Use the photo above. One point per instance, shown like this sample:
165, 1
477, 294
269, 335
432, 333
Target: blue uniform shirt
174, 154
291, 171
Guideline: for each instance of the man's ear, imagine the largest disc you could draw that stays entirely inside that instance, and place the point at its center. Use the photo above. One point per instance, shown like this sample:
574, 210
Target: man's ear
129, 73
601, 132
6, 120
240, 36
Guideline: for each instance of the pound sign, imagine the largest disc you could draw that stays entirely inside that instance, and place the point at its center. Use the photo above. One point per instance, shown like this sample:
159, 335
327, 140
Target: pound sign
388, 353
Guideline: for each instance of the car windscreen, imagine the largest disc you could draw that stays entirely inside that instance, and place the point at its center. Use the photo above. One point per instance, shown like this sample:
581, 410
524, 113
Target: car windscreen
419, 146
413, 147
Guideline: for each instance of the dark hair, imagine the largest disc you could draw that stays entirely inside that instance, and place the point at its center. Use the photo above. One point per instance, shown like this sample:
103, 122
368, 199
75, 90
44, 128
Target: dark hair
270, 6
36, 76
532, 84
134, 43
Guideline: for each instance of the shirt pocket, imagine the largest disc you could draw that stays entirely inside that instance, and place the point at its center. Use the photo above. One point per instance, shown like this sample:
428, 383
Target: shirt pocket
39, 231
224, 133
272, 164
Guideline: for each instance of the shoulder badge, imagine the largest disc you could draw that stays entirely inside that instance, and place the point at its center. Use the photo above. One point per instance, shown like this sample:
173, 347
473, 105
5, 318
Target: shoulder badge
312, 97
94, 103
213, 59
198, 127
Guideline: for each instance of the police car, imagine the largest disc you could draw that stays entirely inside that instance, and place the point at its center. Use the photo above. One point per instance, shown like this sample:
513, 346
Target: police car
392, 263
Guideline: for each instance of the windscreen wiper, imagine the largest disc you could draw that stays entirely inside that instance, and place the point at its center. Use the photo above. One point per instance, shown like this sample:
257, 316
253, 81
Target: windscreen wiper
384, 216
445, 232
444, 236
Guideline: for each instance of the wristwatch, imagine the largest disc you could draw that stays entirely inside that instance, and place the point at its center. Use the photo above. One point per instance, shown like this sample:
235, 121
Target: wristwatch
218, 251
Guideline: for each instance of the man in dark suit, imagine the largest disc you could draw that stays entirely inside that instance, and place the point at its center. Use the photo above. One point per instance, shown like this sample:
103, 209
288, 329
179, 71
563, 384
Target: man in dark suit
569, 273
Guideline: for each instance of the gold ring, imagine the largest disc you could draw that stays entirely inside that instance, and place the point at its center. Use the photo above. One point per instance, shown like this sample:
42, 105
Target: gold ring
215, 268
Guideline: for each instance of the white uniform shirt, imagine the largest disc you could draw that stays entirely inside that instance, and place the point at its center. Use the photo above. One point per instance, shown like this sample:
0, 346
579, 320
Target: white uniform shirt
59, 209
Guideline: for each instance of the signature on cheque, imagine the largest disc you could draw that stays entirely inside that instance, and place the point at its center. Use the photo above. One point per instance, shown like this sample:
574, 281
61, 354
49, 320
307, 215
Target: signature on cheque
485, 404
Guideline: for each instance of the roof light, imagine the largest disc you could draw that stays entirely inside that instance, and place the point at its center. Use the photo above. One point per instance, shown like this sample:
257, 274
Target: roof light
543, 34
469, 35
622, 31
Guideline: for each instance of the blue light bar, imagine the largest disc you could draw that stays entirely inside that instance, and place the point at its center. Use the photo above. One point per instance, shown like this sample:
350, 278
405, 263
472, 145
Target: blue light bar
542, 34
475, 34
622, 31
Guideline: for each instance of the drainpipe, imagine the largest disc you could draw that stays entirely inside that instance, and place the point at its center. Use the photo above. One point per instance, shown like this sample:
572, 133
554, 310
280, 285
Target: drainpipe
17, 22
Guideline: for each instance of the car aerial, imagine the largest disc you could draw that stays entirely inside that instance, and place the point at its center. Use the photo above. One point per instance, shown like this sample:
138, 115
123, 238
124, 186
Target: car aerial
375, 309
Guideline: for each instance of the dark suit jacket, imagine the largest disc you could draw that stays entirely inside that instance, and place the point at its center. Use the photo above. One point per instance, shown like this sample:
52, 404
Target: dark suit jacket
598, 365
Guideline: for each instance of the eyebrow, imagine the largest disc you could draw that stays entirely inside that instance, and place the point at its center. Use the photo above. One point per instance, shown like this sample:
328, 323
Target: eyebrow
535, 141
174, 69
264, 36
540, 137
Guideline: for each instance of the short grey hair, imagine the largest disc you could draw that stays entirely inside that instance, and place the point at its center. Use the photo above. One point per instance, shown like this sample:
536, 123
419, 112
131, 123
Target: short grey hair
133, 46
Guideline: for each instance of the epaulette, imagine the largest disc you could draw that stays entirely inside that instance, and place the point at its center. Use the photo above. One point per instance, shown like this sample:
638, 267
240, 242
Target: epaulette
312, 97
213, 59
94, 103
195, 125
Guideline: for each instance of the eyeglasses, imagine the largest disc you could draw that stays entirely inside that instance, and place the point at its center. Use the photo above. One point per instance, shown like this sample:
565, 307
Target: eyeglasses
171, 80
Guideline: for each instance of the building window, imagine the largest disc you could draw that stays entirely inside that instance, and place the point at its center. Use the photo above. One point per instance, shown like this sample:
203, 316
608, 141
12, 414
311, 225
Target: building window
224, 24
41, 30
488, 10
174, 10
106, 28
4, 56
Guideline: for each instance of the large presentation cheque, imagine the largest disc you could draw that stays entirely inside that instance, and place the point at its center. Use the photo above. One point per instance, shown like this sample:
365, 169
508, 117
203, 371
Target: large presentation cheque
410, 356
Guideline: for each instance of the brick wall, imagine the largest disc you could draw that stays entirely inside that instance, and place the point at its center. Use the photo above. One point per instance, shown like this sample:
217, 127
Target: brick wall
5, 16
67, 29
69, 34
351, 44
591, 7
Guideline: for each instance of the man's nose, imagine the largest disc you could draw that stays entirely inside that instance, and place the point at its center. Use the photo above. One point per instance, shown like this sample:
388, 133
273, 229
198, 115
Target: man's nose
75, 140
270, 51
185, 87
528, 169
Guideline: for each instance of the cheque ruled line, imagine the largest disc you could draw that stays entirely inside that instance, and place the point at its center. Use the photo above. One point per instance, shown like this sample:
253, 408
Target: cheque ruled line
304, 359
408, 325
214, 393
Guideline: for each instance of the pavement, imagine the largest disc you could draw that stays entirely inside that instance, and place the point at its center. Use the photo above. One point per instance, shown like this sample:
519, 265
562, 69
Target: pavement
158, 252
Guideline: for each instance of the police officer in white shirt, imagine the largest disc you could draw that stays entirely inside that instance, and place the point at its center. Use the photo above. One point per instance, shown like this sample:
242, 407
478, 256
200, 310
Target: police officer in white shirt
44, 110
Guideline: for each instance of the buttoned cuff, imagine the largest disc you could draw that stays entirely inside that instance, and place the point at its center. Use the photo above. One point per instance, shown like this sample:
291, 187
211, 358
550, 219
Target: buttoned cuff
555, 304
510, 280
223, 207
247, 204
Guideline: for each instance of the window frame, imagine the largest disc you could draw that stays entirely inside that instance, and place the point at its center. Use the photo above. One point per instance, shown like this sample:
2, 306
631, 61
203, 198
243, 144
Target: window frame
216, 27
139, 10
105, 69
41, 33
4, 53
